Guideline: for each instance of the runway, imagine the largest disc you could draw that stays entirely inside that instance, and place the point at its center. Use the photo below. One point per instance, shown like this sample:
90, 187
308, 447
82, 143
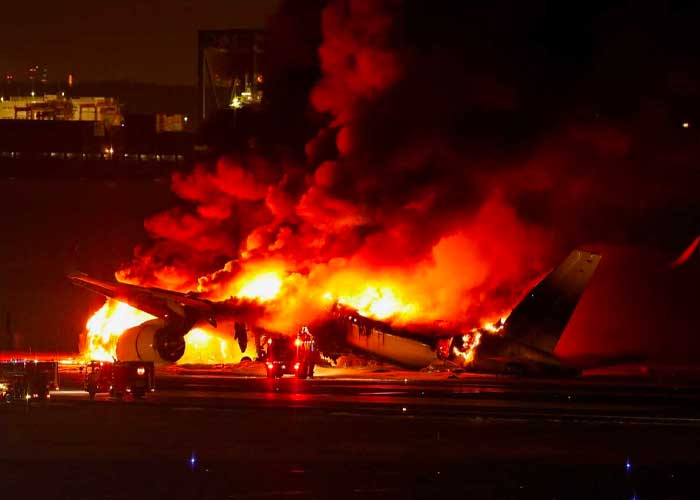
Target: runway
499, 398
358, 435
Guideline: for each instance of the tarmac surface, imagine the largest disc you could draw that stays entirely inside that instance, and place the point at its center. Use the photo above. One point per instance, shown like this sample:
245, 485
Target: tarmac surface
358, 434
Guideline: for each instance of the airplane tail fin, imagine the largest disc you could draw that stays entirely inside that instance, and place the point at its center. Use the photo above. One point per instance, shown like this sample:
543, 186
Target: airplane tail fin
541, 317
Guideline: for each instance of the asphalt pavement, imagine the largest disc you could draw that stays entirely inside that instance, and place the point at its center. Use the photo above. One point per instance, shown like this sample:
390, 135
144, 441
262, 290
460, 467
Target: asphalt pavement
218, 434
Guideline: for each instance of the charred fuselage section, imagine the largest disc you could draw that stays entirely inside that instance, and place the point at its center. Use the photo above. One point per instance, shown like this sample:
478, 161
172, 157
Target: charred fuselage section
524, 343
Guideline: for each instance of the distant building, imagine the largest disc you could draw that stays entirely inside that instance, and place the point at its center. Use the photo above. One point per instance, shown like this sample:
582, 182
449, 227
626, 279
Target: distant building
58, 107
230, 68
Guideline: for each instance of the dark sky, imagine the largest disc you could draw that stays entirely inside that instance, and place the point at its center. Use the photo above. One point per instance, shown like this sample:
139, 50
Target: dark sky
138, 40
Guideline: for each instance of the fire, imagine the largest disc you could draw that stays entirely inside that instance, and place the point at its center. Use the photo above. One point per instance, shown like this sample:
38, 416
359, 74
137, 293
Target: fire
265, 286
293, 298
470, 341
207, 347
379, 303
494, 327
106, 325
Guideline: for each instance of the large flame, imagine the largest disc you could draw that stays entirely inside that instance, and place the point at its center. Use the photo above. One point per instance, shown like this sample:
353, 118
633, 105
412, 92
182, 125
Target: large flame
408, 230
383, 301
105, 327
380, 303
264, 286
205, 346
107, 324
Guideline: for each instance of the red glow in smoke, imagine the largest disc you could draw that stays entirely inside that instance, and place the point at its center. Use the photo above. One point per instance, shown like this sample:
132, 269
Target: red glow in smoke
393, 210
407, 220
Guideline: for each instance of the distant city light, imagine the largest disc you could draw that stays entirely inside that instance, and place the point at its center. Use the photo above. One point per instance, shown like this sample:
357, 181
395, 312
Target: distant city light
32, 93
686, 125
186, 119
236, 103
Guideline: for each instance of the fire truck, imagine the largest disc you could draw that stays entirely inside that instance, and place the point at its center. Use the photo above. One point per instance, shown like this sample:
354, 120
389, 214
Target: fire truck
291, 355
27, 379
119, 378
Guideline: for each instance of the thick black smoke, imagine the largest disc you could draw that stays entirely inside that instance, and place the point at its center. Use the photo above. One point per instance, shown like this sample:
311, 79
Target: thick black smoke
457, 149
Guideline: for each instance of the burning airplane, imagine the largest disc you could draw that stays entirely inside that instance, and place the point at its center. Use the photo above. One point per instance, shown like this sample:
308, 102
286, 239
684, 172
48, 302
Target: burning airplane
150, 324
523, 342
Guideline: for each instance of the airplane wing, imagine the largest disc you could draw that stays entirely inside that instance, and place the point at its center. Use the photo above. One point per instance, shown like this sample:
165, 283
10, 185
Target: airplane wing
156, 301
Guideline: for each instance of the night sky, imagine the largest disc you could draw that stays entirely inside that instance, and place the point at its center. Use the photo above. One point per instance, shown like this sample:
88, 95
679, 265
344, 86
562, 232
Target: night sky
137, 40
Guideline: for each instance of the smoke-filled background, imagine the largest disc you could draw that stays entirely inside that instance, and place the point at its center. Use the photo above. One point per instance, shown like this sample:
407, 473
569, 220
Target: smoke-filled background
460, 155
447, 156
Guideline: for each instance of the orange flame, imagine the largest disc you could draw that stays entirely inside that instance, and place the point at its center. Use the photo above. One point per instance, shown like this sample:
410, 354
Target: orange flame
378, 302
265, 286
208, 346
106, 326
204, 346
292, 299
470, 342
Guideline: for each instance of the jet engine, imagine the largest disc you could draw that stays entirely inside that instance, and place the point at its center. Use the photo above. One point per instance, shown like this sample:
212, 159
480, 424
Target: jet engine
154, 340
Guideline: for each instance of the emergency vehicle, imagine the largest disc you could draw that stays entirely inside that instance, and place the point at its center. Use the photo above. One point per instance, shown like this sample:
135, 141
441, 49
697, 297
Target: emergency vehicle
119, 378
291, 355
27, 379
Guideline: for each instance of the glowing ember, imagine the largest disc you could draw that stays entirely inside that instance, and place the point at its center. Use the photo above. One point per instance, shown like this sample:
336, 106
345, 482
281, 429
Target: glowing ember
106, 325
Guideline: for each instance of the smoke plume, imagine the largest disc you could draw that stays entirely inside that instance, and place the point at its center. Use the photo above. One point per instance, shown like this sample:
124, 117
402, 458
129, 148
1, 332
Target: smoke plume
442, 177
